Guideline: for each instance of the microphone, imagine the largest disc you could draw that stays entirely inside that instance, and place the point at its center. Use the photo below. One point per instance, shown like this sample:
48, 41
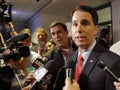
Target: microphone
102, 65
37, 61
69, 65
18, 37
69, 69
45, 59
41, 72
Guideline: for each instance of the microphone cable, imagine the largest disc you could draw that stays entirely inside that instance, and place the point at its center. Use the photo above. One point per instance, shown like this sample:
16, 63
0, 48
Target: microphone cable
54, 85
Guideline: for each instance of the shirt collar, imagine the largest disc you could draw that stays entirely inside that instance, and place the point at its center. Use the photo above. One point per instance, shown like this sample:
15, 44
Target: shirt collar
87, 53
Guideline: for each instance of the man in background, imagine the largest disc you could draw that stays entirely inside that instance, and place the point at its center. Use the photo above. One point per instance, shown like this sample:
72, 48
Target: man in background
41, 39
104, 39
64, 46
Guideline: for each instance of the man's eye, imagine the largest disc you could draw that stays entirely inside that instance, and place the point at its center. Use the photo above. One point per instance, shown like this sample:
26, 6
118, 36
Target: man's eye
74, 24
85, 23
53, 34
59, 31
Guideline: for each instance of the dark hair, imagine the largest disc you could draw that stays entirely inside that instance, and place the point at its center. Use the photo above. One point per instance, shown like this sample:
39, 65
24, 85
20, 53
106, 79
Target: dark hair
53, 24
104, 32
89, 10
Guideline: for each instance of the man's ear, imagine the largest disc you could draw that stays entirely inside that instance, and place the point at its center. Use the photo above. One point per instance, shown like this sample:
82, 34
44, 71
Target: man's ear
67, 32
96, 29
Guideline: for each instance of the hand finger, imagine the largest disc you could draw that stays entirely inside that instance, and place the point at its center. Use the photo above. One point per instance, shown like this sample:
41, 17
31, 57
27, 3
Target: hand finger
68, 81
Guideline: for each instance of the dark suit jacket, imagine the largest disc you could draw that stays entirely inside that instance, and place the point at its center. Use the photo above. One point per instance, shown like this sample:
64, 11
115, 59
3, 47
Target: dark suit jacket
103, 43
55, 54
94, 78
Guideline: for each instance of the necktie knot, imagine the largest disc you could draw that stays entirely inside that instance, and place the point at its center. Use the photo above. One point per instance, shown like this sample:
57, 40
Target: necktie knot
80, 58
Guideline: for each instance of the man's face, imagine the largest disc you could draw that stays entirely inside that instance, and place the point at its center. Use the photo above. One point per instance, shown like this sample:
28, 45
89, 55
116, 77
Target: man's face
49, 45
83, 29
41, 37
59, 35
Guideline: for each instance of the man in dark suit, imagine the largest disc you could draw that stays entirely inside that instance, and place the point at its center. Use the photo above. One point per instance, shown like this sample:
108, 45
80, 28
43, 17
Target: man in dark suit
64, 46
104, 39
84, 29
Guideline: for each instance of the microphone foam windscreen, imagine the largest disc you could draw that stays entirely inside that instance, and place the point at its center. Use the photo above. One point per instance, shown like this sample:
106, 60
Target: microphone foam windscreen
69, 64
51, 65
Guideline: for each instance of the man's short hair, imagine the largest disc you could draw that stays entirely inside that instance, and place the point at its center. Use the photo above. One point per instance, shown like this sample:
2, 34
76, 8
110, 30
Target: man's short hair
41, 31
55, 23
26, 30
104, 32
90, 10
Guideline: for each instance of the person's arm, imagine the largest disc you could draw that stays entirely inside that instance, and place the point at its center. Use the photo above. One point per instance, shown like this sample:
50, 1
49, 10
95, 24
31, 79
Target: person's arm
2, 39
13, 32
30, 80
21, 64
27, 87
71, 86
117, 85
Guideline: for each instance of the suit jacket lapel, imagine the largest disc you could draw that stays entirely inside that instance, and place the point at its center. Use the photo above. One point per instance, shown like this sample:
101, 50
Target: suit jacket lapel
92, 60
90, 64
57, 56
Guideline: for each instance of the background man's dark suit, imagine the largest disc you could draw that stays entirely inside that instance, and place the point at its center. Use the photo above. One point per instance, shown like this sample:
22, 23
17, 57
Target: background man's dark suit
55, 54
103, 43
94, 78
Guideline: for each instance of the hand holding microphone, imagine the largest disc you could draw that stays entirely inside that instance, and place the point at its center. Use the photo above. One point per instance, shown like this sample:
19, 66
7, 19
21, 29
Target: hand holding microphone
71, 86
70, 83
43, 74
69, 69
117, 84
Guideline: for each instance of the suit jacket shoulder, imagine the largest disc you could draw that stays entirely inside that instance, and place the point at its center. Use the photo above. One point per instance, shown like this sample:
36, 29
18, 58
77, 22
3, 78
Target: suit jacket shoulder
94, 78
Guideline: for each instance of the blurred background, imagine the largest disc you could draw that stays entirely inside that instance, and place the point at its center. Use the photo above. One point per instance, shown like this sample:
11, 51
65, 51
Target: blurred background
40, 13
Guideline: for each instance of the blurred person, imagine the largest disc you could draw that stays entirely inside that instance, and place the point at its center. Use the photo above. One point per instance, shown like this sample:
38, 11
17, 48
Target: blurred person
2, 42
10, 27
115, 48
42, 85
64, 46
24, 66
68, 85
18, 70
71, 86
41, 40
84, 30
33, 55
7, 30
6, 74
104, 39
29, 62
50, 45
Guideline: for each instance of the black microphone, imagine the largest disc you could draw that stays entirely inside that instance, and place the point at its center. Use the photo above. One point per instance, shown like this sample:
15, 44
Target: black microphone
41, 72
103, 66
69, 65
45, 59
37, 61
69, 69
18, 38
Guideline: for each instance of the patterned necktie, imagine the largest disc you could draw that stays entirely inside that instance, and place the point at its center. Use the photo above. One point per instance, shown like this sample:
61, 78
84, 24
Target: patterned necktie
78, 67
